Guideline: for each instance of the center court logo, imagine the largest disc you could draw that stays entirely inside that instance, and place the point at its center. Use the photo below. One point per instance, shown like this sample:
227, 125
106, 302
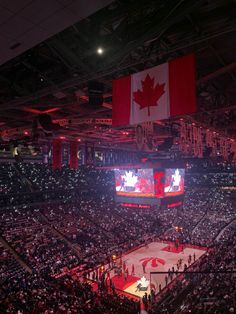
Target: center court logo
153, 260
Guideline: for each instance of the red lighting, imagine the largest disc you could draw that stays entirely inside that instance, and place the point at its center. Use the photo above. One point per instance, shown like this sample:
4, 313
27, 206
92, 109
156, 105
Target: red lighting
83, 97
159, 185
178, 229
174, 204
26, 133
62, 137
37, 111
78, 139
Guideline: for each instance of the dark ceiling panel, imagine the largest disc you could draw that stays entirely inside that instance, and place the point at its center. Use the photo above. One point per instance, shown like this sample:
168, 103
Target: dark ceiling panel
27, 23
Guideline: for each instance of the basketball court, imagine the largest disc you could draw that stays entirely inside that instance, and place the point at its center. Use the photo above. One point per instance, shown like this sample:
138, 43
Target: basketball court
156, 257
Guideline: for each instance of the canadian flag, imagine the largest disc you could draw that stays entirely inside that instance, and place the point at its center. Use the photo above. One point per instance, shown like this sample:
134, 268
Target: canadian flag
157, 93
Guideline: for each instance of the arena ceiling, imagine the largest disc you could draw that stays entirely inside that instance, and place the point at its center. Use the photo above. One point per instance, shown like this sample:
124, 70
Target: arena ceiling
53, 76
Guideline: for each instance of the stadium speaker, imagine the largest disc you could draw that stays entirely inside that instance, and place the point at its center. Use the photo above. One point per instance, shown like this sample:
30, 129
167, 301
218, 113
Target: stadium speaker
95, 92
46, 123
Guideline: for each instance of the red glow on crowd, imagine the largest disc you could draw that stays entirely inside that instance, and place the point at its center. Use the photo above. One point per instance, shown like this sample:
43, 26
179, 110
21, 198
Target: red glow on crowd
174, 204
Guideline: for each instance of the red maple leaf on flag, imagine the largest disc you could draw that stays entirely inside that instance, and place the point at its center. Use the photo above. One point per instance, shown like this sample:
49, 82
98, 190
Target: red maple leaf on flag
150, 94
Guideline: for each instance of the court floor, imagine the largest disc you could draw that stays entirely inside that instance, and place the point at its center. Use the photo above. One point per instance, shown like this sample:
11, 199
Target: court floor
156, 257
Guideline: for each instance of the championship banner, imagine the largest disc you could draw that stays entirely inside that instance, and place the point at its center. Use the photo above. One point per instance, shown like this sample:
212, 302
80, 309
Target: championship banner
45, 153
157, 93
74, 161
89, 154
194, 140
65, 153
56, 154
144, 136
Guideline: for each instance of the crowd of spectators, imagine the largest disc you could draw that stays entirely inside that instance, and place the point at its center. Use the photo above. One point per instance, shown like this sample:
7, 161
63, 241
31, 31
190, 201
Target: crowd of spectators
52, 236
9, 266
36, 242
204, 214
10, 180
44, 178
86, 229
211, 179
34, 294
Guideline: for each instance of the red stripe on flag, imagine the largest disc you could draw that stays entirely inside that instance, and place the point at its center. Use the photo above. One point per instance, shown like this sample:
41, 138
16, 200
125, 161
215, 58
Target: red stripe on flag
121, 101
182, 85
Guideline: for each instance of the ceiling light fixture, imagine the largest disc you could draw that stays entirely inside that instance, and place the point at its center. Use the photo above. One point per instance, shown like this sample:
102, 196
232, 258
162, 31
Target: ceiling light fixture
100, 51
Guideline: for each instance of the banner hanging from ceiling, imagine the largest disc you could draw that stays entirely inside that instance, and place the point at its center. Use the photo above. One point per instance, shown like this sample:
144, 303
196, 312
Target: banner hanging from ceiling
89, 154
56, 154
74, 160
157, 93
144, 136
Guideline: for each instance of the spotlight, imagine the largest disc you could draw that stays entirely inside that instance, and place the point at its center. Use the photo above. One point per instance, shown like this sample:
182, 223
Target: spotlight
100, 51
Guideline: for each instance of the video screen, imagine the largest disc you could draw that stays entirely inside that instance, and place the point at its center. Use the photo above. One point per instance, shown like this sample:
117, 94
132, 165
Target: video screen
134, 182
174, 182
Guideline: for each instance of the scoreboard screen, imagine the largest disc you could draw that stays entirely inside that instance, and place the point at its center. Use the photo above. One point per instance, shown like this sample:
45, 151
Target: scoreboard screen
134, 182
148, 186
